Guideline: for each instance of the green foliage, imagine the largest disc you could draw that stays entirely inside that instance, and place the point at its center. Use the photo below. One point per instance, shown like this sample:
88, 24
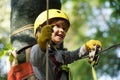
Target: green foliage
3, 78
96, 19
2, 53
5, 50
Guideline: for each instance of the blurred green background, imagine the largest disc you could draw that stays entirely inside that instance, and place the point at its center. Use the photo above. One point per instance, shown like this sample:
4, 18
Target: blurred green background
90, 19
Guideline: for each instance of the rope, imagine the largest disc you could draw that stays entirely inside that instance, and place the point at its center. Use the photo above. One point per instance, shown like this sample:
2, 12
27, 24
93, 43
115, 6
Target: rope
115, 45
26, 27
47, 7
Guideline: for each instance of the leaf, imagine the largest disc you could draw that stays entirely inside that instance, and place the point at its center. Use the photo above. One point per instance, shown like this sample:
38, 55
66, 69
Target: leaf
11, 57
5, 50
2, 53
8, 46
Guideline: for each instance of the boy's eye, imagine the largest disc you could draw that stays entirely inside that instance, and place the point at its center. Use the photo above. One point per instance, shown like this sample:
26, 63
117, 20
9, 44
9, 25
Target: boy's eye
64, 29
57, 26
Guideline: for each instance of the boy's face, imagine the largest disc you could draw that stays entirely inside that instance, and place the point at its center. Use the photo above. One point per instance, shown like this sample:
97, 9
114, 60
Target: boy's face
59, 31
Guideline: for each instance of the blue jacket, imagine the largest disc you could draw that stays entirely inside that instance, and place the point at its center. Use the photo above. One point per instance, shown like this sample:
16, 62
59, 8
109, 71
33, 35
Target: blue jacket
38, 61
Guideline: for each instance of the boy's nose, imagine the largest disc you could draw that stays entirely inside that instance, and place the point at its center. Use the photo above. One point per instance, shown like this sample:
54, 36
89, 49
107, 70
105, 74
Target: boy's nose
62, 30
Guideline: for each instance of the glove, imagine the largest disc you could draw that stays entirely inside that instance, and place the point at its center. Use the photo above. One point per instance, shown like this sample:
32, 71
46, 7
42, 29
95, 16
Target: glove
91, 44
45, 36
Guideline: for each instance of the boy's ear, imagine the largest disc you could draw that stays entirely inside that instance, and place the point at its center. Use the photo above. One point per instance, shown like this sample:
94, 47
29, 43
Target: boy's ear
37, 34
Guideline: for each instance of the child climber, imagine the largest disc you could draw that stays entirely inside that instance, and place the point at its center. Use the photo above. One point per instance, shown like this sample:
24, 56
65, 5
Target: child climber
55, 33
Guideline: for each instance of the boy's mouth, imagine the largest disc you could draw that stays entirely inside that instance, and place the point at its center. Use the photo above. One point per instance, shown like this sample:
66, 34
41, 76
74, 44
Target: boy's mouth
60, 35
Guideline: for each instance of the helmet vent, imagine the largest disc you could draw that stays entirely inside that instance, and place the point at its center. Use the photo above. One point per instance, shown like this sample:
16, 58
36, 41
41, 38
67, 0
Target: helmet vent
58, 11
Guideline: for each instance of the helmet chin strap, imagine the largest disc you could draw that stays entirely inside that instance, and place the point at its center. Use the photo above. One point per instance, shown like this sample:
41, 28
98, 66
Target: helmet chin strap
47, 7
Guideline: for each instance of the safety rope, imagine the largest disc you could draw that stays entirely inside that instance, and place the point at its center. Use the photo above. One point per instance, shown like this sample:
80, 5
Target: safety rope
47, 7
115, 45
26, 27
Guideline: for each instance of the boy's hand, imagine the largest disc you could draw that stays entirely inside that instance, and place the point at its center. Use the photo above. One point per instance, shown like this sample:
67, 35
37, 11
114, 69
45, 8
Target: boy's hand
45, 36
90, 45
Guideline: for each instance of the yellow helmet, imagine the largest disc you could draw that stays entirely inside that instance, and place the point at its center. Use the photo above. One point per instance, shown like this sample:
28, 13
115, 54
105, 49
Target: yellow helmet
52, 13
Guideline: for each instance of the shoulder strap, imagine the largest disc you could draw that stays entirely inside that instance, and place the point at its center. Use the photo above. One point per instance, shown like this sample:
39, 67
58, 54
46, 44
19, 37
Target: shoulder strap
58, 64
58, 70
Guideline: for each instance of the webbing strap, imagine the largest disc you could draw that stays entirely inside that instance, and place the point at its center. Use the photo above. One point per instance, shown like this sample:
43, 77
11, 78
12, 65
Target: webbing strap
94, 74
52, 57
58, 71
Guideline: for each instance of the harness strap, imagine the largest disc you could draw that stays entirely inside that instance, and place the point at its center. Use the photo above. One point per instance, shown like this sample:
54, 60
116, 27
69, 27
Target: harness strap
58, 70
52, 57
